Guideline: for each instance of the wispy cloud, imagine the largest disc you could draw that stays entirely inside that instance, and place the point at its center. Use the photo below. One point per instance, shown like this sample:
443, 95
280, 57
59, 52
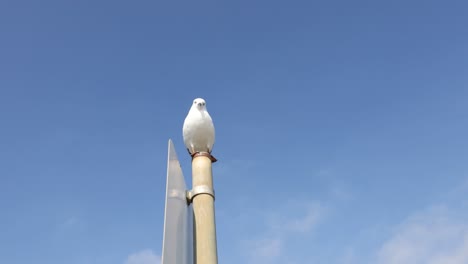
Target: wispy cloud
296, 216
265, 250
70, 225
70, 222
435, 236
283, 224
146, 256
313, 213
349, 256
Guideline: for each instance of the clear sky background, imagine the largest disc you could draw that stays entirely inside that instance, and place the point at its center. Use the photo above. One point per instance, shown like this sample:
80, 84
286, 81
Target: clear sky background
341, 128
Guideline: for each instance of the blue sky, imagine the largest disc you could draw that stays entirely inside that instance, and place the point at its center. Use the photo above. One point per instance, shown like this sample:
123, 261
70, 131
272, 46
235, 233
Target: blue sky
341, 128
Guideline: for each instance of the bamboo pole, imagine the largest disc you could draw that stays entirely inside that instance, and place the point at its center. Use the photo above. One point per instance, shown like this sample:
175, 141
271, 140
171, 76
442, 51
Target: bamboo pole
205, 248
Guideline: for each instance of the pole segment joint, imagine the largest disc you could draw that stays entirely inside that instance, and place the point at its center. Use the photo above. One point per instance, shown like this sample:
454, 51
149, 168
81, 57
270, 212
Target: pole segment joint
200, 189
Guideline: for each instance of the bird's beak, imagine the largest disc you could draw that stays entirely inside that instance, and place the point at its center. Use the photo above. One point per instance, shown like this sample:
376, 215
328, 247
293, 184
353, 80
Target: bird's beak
199, 104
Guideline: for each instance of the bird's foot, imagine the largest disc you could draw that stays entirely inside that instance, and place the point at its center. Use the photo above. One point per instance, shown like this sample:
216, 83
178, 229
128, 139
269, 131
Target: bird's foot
205, 154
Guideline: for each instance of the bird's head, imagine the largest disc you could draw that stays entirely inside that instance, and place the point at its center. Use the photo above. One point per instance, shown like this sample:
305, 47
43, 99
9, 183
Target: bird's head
199, 104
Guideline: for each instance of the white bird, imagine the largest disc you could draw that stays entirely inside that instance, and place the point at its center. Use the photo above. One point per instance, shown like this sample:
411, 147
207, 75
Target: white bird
198, 130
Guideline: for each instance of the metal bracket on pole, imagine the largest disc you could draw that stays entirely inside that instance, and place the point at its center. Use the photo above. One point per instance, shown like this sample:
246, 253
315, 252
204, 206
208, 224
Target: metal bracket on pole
201, 189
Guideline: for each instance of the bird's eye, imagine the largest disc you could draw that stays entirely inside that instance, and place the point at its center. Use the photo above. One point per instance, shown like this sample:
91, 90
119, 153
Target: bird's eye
194, 102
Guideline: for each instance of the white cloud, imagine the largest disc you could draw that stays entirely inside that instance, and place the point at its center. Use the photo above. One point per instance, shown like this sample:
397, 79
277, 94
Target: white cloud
305, 223
146, 256
70, 222
265, 250
295, 217
349, 256
434, 236
289, 220
69, 226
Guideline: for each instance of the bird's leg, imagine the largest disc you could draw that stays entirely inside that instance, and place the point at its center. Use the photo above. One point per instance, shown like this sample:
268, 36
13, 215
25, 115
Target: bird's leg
206, 154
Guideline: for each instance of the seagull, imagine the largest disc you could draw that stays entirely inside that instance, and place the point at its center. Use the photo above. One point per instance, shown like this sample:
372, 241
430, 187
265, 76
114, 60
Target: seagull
198, 130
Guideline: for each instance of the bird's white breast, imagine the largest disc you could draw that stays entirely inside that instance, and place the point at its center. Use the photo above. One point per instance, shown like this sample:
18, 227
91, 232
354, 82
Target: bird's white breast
198, 131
